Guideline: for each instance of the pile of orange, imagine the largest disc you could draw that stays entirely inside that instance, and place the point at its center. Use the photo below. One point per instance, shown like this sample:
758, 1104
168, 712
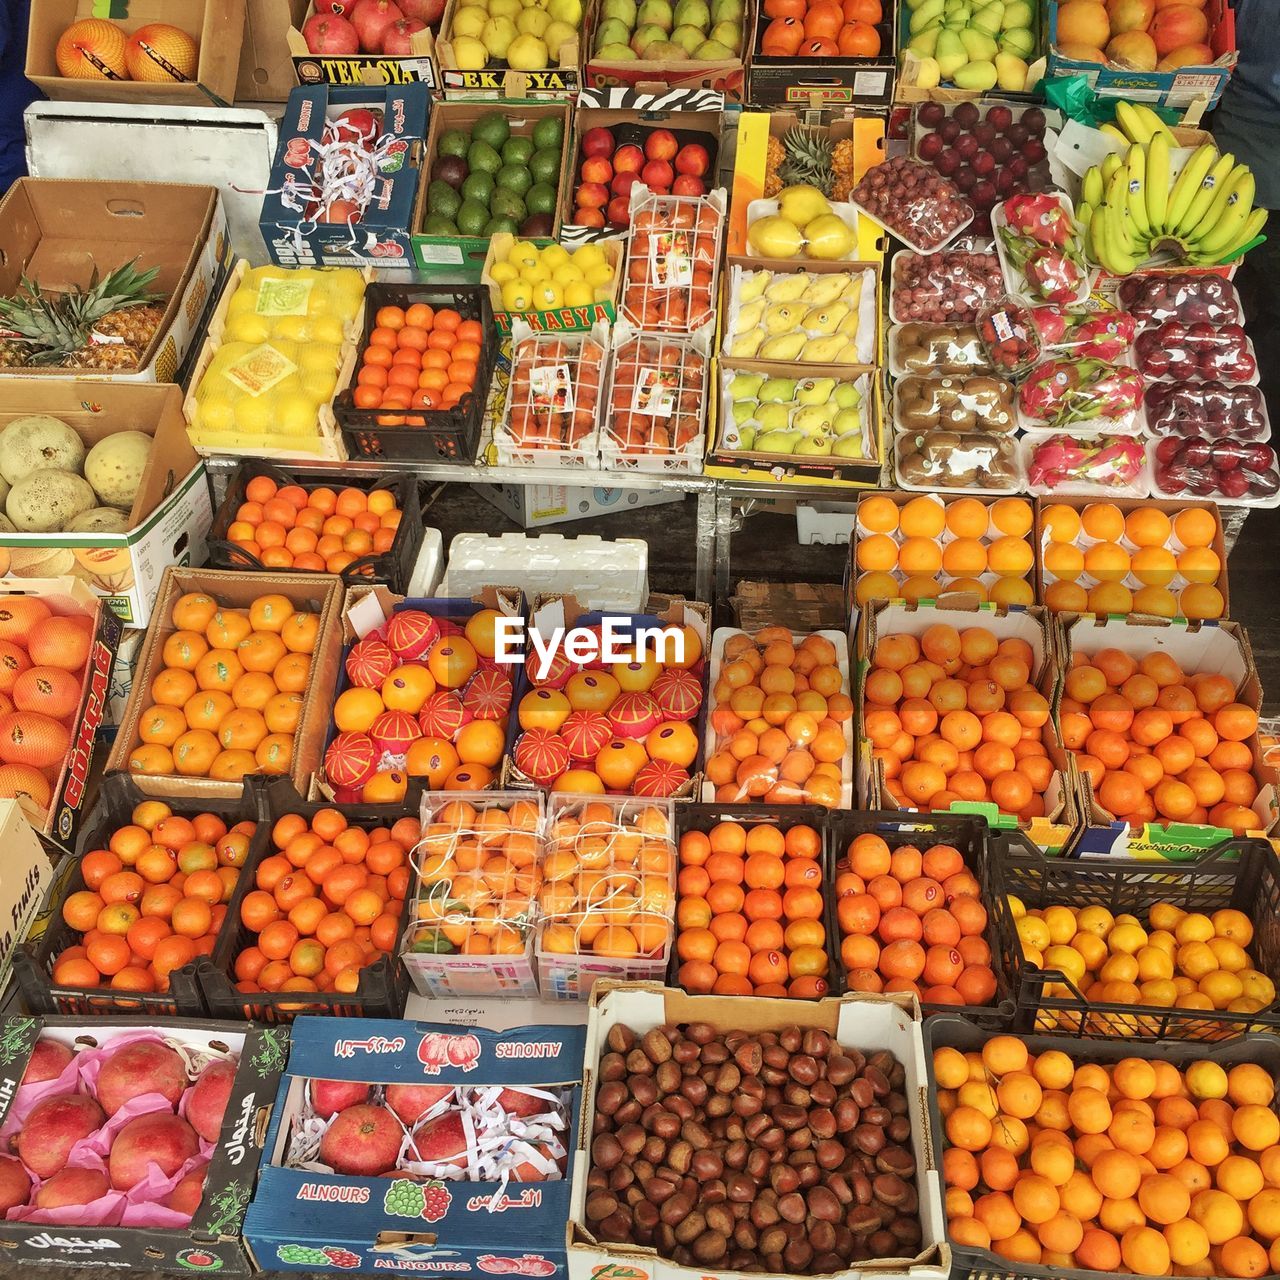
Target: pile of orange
822, 29
229, 697
326, 904
478, 878
1158, 745
1177, 960
912, 921
1135, 1167
953, 715
750, 911
927, 548
780, 708
417, 358
154, 899
1101, 560
321, 530
608, 881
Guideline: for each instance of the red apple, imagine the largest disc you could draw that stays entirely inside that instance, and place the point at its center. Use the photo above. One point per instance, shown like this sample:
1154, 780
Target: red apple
597, 169
396, 40
687, 185
657, 176
428, 11
661, 144
623, 182
330, 33
371, 19
593, 195
597, 142
588, 217
629, 159
692, 158
619, 211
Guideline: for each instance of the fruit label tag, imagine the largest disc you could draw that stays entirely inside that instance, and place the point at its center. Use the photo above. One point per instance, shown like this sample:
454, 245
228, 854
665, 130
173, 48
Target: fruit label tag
284, 297
655, 392
671, 260
551, 388
260, 369
1004, 329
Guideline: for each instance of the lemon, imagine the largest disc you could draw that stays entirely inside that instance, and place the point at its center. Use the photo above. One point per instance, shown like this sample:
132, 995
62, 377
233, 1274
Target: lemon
297, 328
522, 255
554, 255
248, 328
319, 385
517, 295
254, 414
536, 274
599, 274
567, 274
547, 296
243, 302
217, 413
327, 329
503, 273
319, 357
295, 415
588, 256
579, 294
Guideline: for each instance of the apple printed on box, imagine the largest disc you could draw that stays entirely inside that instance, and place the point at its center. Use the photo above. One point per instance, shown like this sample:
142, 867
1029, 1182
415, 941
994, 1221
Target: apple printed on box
132, 1143
454, 1145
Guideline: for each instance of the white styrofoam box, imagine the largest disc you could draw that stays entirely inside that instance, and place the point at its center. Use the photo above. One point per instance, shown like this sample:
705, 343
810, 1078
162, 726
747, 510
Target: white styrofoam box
429, 566
534, 505
826, 523
601, 574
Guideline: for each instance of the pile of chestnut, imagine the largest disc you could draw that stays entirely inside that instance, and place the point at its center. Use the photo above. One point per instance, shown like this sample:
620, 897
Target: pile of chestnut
779, 1152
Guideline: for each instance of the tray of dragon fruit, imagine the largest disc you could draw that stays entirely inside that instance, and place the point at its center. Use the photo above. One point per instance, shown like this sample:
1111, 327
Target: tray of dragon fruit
1040, 250
1083, 395
1072, 464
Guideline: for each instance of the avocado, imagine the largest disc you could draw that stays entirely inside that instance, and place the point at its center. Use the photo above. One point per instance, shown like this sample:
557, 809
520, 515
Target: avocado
443, 199
544, 165
478, 187
517, 150
507, 204
495, 225
541, 198
515, 177
453, 143
472, 218
436, 224
483, 158
491, 128
548, 134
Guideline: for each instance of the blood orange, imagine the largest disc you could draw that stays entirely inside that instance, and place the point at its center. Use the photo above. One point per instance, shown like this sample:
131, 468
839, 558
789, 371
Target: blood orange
27, 737
49, 690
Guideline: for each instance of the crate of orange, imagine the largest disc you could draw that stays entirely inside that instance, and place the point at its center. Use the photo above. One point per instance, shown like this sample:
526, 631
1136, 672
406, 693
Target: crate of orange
232, 679
750, 911
1161, 715
421, 697
364, 530
426, 361
318, 917
608, 893
1093, 1157
918, 905
781, 723
956, 708
129, 920
472, 921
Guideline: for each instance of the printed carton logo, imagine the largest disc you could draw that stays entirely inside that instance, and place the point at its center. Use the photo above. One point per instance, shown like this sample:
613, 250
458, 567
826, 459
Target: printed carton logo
198, 1260
438, 1049
297, 153
531, 1264
374, 1044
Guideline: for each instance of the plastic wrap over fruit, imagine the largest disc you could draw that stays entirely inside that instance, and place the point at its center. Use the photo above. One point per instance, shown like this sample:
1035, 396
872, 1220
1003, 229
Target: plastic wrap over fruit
922, 208
1191, 298
935, 348
1009, 336
1039, 245
1058, 393
979, 402
1233, 470
1107, 335
1211, 409
1110, 462
950, 286
957, 460
1202, 350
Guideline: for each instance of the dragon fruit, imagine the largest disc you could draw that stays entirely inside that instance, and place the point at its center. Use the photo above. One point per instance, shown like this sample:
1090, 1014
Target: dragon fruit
1107, 335
1110, 462
1041, 218
1039, 241
1060, 392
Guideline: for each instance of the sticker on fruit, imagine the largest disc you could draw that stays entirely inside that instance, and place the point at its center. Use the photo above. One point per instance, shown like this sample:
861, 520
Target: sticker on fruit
432, 1139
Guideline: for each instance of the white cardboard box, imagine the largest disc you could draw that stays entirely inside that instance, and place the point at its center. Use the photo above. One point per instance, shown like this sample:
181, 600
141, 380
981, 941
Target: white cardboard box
534, 505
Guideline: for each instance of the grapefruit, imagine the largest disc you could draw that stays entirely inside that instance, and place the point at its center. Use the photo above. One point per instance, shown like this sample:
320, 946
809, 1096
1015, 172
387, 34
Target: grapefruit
159, 51
92, 49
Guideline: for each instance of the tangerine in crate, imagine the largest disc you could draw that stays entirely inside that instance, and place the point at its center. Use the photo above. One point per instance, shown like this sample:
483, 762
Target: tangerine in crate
671, 263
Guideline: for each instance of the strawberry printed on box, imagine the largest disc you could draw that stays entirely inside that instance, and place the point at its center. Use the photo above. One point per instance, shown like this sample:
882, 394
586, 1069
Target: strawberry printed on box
411, 1146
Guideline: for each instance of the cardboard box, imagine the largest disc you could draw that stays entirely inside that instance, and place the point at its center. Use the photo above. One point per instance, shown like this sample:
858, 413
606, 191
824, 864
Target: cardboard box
266, 62
1178, 88
1058, 828
170, 514
316, 592
534, 506
561, 79
381, 236
368, 69
27, 875
212, 1242
1216, 648
464, 256
864, 1022
57, 231
217, 26
562, 319
70, 597
826, 83
302, 1219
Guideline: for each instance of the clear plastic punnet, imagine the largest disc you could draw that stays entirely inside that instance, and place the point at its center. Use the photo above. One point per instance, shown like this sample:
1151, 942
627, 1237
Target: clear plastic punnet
1234, 471
955, 402
957, 462
1213, 409
1191, 297
923, 209
935, 348
1009, 335
1081, 466
1084, 393
945, 287
1182, 352
1107, 335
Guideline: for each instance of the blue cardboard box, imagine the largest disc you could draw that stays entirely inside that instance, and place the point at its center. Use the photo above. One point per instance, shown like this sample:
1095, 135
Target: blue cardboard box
311, 1219
381, 236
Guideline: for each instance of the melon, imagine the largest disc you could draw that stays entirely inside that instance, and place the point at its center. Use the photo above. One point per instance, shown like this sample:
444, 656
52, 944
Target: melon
43, 501
38, 443
115, 465
98, 520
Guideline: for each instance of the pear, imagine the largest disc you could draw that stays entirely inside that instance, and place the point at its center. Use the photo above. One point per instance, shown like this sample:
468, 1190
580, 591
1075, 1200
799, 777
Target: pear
813, 419
814, 447
824, 320
822, 350
786, 346
779, 390
780, 317
928, 76
749, 316
847, 395
1018, 41
849, 325
746, 437
977, 75
848, 445
853, 294
777, 441
801, 204
775, 237
774, 417
848, 354
712, 51
752, 285
688, 38
692, 13
990, 18
746, 386
826, 289
728, 34
1017, 13
727, 11
742, 411
925, 43
847, 420
1011, 72
786, 288
815, 390
978, 45
950, 54
745, 345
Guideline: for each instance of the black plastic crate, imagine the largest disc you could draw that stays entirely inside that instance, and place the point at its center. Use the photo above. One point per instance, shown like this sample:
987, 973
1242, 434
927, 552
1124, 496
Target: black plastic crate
394, 566
702, 817
384, 985
446, 435
952, 1031
1243, 875
34, 960
972, 837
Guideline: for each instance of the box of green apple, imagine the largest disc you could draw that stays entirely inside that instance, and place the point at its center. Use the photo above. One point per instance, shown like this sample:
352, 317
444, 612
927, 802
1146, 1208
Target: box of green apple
514, 48
488, 172
956, 49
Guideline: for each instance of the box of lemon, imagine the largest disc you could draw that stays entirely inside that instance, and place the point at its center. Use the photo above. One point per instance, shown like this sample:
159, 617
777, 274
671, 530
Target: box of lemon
555, 288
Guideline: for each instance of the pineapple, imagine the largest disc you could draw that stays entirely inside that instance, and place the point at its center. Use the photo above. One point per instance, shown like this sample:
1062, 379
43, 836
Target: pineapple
774, 157
13, 355
842, 157
808, 159
842, 187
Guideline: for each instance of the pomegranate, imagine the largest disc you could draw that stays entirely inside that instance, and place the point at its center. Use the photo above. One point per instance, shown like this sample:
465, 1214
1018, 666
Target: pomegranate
330, 33
48, 1061
328, 1097
72, 1186
145, 1066
371, 18
186, 1196
428, 11
53, 1128
363, 1140
159, 1139
412, 1101
441, 1141
397, 41
208, 1102
15, 1185
517, 1103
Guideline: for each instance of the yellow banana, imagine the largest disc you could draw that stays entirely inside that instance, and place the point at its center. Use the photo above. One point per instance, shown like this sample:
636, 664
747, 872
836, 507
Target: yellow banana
1116, 134
1216, 207
1203, 195
1110, 163
1188, 183
1115, 257
1153, 122
1157, 182
1091, 186
1131, 123
1136, 196
1239, 207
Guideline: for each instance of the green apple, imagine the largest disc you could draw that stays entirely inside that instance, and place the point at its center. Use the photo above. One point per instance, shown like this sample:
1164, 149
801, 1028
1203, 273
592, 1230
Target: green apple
688, 38
847, 395
497, 36
469, 21
728, 34
528, 52
746, 386
533, 22
612, 31
656, 13
774, 417
623, 10
779, 389
815, 390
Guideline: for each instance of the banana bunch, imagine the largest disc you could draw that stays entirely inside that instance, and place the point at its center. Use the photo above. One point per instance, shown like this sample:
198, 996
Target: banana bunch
1136, 122
1129, 211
